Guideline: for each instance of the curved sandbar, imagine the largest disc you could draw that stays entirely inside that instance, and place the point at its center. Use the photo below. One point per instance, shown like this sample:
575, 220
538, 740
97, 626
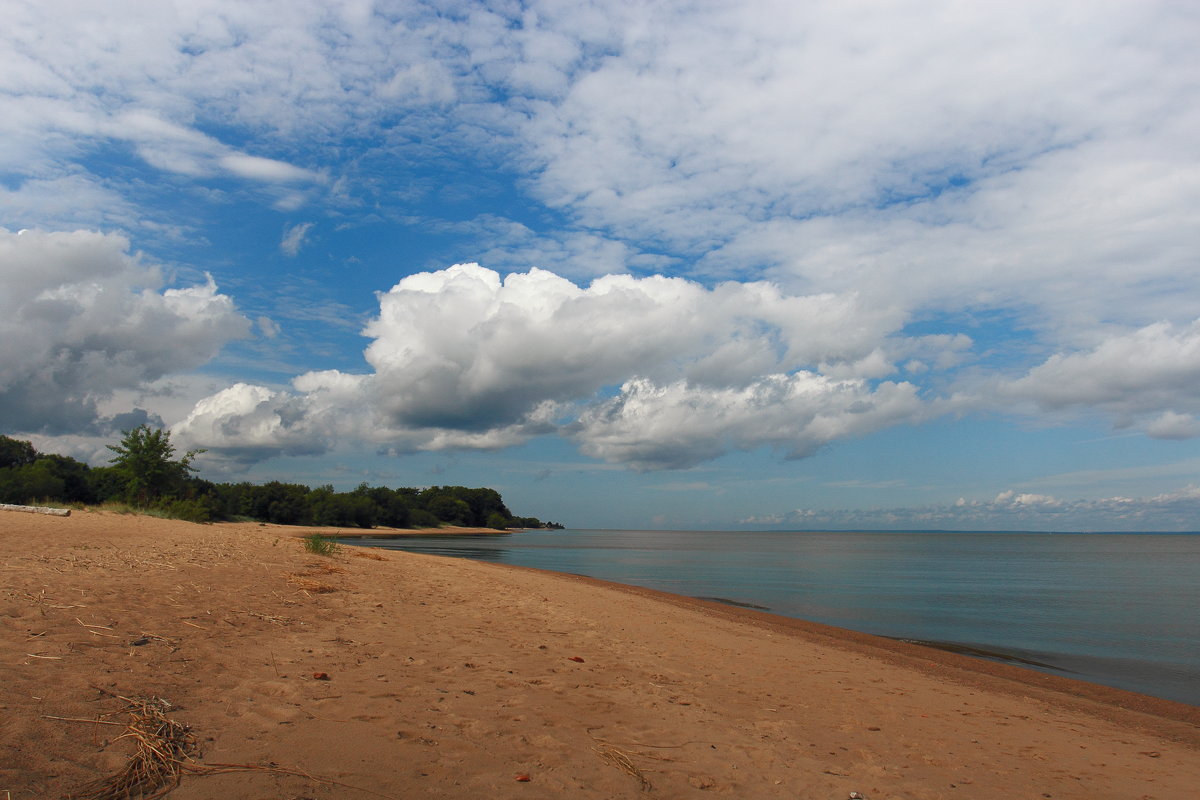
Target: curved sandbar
450, 678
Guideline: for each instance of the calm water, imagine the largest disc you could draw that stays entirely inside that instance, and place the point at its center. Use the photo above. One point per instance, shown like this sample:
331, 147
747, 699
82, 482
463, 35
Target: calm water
1117, 609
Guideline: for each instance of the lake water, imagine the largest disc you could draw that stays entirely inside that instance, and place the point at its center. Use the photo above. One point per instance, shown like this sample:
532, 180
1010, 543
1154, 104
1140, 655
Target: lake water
1116, 609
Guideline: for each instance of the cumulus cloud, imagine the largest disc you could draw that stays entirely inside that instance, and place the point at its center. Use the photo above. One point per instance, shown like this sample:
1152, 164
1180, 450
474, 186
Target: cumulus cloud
486, 350
1009, 510
82, 318
464, 359
678, 425
247, 422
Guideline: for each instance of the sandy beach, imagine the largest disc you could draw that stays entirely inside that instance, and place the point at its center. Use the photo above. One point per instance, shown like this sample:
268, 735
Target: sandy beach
384, 674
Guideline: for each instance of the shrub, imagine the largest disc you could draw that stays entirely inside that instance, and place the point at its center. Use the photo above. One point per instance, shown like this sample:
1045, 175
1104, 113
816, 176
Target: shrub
188, 510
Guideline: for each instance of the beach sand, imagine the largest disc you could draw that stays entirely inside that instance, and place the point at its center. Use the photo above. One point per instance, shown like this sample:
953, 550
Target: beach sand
453, 679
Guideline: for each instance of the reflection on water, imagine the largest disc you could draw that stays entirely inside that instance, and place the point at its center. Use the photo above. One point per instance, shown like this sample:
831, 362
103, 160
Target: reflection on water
1118, 609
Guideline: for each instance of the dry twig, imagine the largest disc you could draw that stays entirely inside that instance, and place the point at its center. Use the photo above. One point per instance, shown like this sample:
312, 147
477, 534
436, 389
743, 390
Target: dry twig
621, 760
163, 748
164, 754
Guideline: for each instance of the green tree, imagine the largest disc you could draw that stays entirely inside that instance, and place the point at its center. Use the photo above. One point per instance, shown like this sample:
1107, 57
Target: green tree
31, 483
144, 462
16, 453
72, 474
450, 509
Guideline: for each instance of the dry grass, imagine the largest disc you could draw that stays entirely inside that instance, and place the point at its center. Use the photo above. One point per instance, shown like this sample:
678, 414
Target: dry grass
164, 748
322, 568
621, 760
165, 751
309, 580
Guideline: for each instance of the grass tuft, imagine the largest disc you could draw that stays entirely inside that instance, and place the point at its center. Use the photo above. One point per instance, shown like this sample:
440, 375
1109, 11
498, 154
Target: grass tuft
320, 545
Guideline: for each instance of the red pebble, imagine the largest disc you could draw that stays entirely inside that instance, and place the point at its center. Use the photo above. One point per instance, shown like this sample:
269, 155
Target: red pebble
320, 676
523, 777
577, 659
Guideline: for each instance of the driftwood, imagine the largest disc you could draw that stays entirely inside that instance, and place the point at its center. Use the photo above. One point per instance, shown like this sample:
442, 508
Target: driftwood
54, 512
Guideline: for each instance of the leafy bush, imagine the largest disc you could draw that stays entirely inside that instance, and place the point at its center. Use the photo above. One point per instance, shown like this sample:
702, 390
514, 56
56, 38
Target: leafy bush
194, 510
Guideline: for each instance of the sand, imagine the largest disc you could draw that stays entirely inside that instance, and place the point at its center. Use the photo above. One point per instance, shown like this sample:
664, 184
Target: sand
454, 679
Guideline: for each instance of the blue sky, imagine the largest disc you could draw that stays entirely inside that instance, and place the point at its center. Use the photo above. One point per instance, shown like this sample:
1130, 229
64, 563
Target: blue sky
764, 264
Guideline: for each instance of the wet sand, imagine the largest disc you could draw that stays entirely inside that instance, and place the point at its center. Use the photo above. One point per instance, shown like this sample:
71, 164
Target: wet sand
399, 675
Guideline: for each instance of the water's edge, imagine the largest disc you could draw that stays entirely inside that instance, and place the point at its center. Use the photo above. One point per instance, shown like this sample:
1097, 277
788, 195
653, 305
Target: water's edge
852, 584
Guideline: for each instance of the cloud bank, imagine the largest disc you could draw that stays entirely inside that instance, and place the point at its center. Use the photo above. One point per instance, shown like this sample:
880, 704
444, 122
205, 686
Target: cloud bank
1010, 511
651, 372
82, 318
663, 373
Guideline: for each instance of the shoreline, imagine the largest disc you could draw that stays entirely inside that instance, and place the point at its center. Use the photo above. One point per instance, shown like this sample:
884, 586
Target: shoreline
1044, 662
394, 533
402, 675
1181, 720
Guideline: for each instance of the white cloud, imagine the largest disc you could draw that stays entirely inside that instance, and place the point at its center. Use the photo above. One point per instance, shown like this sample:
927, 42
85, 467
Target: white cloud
248, 422
464, 359
679, 425
487, 350
1170, 425
267, 327
293, 239
428, 83
67, 201
265, 169
1144, 377
81, 318
1023, 155
1020, 156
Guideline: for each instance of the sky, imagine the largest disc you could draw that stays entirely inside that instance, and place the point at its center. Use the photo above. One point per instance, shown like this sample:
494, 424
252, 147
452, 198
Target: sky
794, 265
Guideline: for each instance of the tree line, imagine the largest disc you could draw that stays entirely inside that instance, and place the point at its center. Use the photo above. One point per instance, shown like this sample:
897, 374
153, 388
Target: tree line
145, 474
